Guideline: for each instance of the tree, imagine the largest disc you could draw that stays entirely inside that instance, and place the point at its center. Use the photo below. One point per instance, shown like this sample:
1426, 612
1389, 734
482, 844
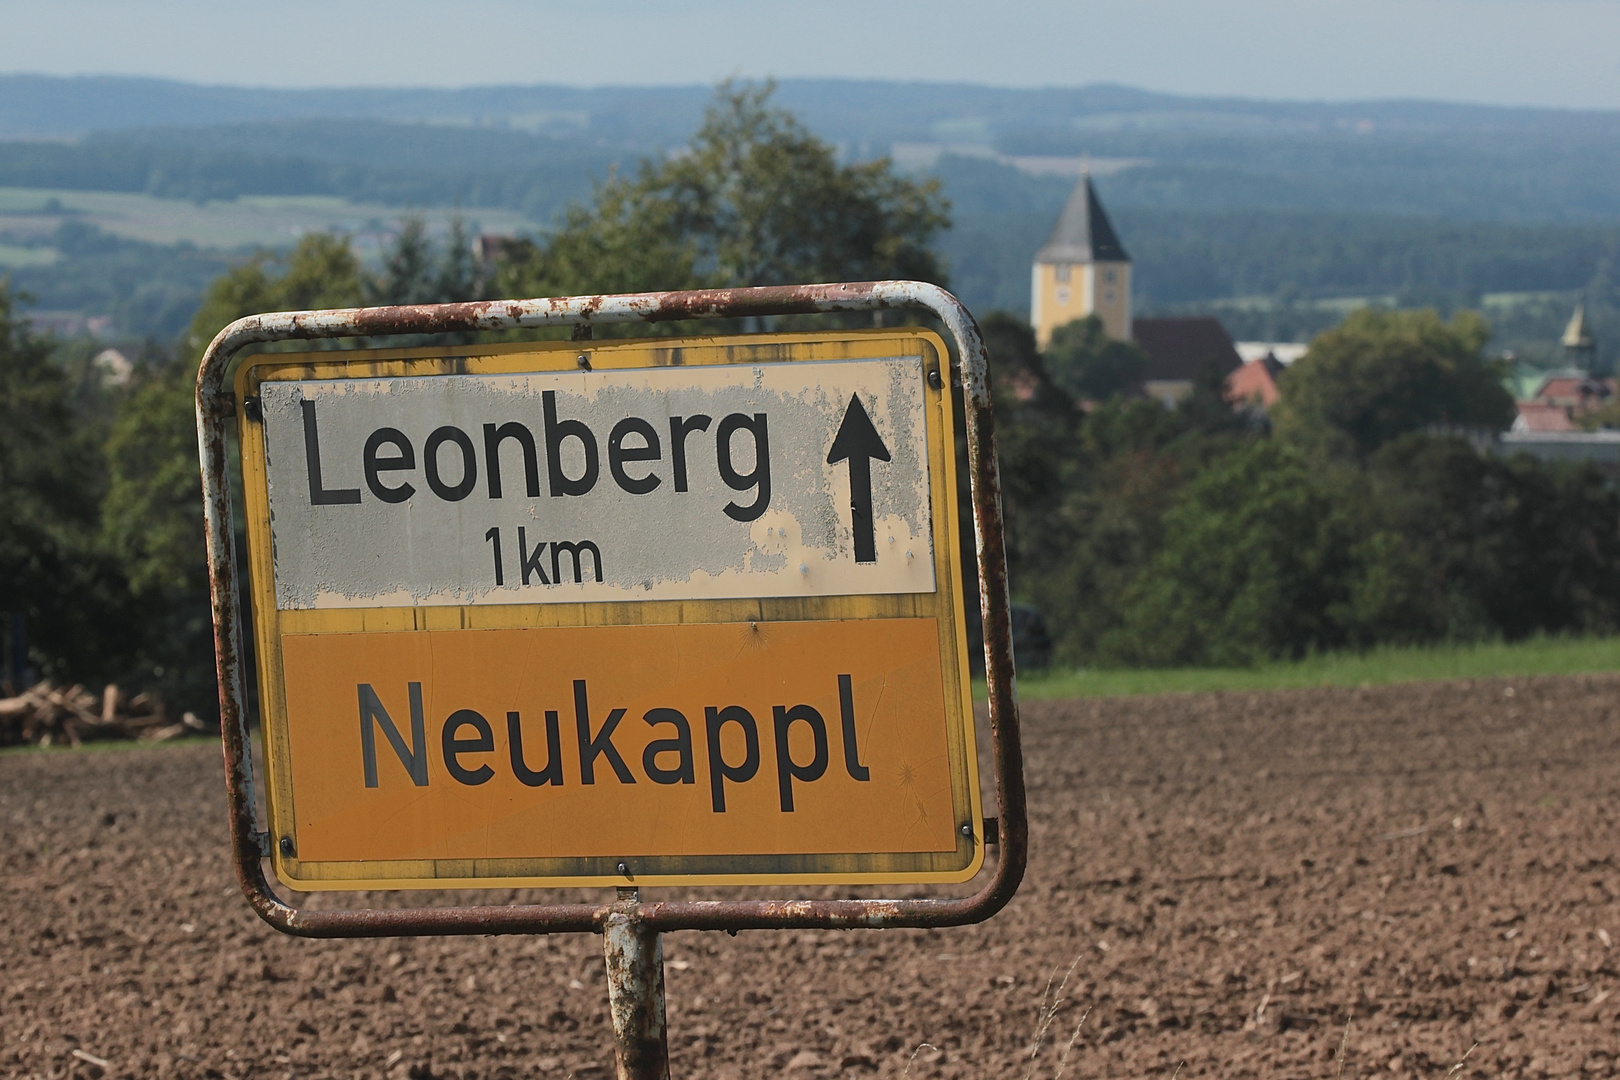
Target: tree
413, 272
1380, 374
322, 271
1089, 364
755, 199
1083, 521
459, 277
52, 578
1037, 426
1484, 545
1256, 563
624, 242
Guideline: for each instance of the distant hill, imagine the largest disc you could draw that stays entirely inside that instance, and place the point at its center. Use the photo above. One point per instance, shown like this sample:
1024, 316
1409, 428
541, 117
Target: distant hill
862, 111
51, 107
1216, 198
1404, 157
1198, 251
364, 160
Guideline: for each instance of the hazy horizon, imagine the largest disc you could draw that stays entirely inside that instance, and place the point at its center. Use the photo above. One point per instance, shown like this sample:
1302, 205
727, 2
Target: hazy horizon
1537, 53
1262, 99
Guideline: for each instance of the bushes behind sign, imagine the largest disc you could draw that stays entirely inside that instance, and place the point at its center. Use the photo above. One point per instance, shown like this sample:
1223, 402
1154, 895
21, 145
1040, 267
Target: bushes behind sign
1155, 537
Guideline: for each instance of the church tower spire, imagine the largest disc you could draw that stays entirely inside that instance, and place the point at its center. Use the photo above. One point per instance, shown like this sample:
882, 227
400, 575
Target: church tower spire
1081, 270
1579, 345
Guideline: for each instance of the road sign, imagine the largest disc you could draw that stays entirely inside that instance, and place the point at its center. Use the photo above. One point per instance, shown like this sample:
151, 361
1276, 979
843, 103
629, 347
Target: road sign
668, 611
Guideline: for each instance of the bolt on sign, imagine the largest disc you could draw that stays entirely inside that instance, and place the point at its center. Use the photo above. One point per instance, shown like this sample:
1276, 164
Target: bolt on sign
650, 612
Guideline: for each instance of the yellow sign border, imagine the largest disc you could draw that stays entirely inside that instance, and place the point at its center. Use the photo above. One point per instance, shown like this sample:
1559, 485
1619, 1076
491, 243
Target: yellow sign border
945, 604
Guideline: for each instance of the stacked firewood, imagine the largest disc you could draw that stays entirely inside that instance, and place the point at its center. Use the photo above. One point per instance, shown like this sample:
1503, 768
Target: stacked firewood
47, 715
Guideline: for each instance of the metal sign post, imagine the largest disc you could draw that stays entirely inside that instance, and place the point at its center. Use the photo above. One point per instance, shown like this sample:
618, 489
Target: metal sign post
635, 978
709, 585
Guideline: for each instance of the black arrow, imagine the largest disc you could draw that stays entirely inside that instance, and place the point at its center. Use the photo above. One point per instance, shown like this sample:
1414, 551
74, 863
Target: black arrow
858, 442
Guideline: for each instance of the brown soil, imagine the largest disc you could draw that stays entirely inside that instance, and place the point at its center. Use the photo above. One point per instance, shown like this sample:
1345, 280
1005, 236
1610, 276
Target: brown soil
1232, 876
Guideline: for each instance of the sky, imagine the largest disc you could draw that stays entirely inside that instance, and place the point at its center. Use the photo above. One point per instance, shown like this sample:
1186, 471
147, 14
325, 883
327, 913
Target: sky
1563, 53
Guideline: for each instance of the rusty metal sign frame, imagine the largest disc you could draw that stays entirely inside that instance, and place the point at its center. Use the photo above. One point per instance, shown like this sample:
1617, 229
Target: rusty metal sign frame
630, 928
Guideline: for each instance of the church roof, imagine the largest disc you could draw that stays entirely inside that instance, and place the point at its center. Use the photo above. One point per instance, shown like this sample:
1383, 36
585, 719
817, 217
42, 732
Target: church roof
1083, 233
1177, 347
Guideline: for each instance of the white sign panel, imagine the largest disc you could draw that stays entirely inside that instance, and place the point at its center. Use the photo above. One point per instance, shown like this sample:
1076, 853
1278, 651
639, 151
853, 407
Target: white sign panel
669, 483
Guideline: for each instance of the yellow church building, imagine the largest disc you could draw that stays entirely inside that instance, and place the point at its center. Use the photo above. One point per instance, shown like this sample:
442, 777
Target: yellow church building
1082, 270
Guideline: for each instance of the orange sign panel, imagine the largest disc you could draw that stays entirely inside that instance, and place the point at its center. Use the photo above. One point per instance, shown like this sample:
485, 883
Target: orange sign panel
638, 741
439, 712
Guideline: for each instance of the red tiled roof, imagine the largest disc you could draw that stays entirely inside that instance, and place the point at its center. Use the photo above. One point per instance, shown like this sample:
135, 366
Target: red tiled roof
1575, 390
1254, 381
1539, 416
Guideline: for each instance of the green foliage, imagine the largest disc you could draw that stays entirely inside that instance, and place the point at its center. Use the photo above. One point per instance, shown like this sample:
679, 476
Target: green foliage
1604, 418
764, 202
1084, 492
1254, 565
755, 199
459, 278
320, 272
623, 242
1381, 374
154, 503
39, 458
151, 524
1480, 545
55, 577
51, 573
416, 272
1157, 537
1207, 409
1089, 364
1109, 523
1037, 431
1266, 554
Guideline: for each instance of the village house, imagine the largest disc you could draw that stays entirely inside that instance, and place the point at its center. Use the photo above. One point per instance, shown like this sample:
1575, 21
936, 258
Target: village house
1255, 383
1566, 395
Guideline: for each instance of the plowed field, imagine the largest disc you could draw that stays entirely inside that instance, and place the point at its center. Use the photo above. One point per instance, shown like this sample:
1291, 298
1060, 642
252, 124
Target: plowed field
1231, 877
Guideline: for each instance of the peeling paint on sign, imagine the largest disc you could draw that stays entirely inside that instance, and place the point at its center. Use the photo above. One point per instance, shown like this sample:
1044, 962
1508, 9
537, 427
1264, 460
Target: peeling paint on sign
805, 479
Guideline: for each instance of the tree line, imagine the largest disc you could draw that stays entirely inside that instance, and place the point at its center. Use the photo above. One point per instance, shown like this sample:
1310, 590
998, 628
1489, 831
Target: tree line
1358, 513
1368, 508
364, 161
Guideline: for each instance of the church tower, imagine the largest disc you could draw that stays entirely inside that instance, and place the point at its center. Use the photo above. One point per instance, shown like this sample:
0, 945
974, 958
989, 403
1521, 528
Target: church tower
1083, 270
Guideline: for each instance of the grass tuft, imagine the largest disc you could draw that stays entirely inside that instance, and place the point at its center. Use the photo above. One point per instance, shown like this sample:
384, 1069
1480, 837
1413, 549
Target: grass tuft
1457, 1068
913, 1058
1052, 1000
